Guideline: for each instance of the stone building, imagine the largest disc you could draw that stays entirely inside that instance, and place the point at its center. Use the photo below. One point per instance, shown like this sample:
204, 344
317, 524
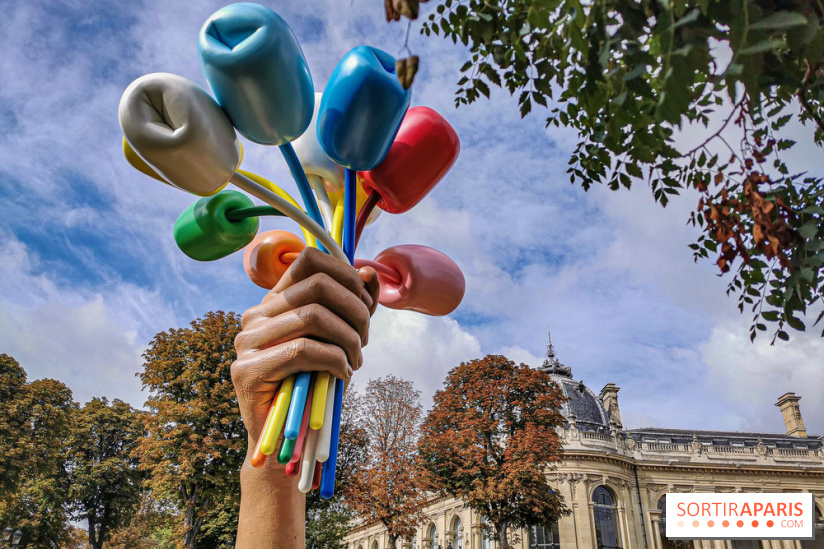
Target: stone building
614, 480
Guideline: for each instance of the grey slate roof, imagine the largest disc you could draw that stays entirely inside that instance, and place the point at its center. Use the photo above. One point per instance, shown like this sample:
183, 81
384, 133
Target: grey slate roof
723, 438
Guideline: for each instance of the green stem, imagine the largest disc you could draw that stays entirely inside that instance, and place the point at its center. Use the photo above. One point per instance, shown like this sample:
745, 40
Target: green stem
253, 211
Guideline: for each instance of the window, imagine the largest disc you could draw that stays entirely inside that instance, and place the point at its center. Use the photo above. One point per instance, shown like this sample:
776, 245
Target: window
457, 533
746, 544
818, 542
542, 538
486, 543
606, 525
374, 545
431, 541
667, 543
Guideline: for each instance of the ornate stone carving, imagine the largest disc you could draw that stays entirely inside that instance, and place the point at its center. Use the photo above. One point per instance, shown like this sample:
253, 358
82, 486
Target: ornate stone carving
761, 449
551, 364
629, 444
695, 446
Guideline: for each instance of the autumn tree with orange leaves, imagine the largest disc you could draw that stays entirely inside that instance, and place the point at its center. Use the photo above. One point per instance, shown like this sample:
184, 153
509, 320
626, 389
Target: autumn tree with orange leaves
195, 441
388, 488
489, 440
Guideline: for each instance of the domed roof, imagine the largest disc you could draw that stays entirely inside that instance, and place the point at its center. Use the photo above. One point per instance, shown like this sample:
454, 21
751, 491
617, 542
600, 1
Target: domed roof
582, 405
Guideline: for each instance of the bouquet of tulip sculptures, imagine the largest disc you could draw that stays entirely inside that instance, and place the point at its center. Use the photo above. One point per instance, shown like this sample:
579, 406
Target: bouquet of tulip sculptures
354, 150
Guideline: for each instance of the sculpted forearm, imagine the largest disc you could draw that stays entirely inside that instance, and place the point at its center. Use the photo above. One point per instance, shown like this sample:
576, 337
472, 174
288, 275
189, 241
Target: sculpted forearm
272, 510
315, 319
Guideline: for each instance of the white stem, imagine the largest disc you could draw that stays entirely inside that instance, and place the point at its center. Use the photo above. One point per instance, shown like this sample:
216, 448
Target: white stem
300, 217
324, 204
307, 465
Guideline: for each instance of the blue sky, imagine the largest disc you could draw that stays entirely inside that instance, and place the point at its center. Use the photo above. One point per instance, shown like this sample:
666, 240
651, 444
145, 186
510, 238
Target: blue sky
90, 271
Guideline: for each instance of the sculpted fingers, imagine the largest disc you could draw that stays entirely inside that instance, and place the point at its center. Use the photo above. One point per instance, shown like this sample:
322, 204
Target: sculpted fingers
319, 289
313, 321
312, 261
372, 287
260, 371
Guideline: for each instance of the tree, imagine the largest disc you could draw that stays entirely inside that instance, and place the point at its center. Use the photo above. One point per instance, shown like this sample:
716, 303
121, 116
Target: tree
12, 453
389, 488
34, 426
489, 439
328, 520
104, 478
630, 75
152, 527
195, 442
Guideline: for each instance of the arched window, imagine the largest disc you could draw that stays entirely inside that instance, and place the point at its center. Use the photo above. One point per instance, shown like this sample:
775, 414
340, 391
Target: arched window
414, 540
545, 538
605, 518
667, 543
818, 542
486, 543
431, 541
374, 545
457, 533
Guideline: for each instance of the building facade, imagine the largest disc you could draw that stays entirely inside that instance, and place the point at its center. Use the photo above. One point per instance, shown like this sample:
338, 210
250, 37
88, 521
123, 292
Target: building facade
614, 480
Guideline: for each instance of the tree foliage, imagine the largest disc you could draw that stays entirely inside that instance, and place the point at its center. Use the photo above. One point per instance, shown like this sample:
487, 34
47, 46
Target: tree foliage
629, 75
153, 526
489, 439
34, 425
389, 488
103, 475
328, 520
195, 441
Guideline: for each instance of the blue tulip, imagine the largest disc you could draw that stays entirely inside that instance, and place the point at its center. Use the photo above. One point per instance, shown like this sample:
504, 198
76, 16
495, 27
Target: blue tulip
362, 109
258, 73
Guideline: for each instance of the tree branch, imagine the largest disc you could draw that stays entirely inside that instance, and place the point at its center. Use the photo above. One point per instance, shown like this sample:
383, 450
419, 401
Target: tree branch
718, 132
801, 94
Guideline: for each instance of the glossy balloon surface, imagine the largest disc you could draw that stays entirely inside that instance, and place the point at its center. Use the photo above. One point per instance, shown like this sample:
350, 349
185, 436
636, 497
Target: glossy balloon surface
312, 157
430, 282
263, 259
138, 163
362, 108
180, 132
425, 149
203, 233
258, 73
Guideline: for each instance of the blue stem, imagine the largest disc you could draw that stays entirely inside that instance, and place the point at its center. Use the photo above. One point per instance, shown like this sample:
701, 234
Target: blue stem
327, 478
303, 186
349, 213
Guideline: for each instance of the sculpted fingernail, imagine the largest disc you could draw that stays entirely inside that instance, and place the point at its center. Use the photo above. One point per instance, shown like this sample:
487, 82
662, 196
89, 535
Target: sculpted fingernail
349, 371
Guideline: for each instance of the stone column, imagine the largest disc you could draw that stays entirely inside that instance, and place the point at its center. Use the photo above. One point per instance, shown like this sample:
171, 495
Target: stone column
623, 525
655, 540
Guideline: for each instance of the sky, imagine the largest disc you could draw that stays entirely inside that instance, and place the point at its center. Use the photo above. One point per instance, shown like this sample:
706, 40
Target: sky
89, 271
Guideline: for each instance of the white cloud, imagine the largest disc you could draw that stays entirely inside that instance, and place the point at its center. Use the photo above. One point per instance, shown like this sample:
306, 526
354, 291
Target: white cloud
751, 377
415, 347
88, 340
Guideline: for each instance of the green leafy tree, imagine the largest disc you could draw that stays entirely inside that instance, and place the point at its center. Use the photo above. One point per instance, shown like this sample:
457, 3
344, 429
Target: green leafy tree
629, 75
489, 440
34, 426
195, 442
12, 452
104, 478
